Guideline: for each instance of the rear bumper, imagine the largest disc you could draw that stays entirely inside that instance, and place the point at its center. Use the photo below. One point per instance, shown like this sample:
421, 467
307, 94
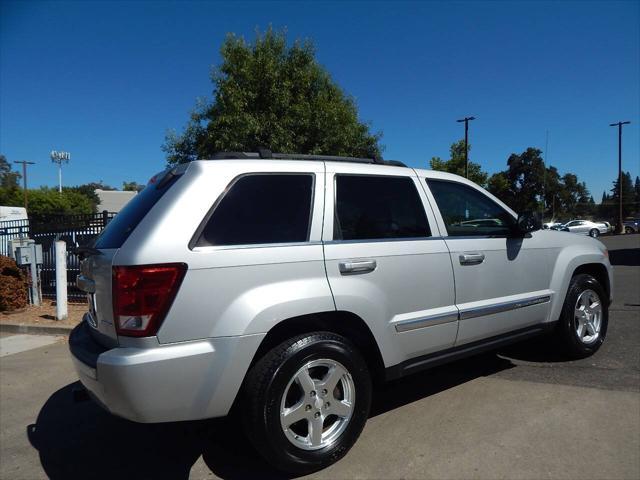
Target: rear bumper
164, 383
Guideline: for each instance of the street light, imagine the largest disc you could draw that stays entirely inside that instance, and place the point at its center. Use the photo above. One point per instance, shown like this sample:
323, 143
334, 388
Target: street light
619, 125
24, 179
59, 158
466, 143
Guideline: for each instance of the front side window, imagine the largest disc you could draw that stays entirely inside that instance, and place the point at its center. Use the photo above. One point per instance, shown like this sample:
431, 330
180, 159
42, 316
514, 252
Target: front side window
468, 212
261, 209
378, 207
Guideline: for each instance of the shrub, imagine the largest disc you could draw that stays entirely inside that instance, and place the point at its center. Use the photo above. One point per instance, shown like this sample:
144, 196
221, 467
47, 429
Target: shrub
13, 285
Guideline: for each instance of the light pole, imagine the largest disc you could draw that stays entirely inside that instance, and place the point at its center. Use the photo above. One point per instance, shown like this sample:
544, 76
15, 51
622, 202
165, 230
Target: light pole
24, 179
619, 125
466, 143
59, 158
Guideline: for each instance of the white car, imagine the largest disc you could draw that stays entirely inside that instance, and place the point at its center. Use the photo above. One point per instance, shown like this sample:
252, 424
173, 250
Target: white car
586, 227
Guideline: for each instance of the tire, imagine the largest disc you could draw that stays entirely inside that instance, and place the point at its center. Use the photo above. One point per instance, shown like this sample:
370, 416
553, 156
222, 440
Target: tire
594, 232
271, 389
628, 230
583, 289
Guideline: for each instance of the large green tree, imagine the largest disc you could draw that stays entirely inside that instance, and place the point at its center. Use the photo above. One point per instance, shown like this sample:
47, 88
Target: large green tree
277, 96
456, 164
9, 187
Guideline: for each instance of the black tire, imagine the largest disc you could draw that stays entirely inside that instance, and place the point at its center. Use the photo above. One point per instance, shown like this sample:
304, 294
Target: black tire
628, 230
265, 386
572, 345
594, 232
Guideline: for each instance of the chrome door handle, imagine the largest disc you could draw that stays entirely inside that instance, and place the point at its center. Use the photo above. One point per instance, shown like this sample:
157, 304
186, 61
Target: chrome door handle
471, 258
357, 266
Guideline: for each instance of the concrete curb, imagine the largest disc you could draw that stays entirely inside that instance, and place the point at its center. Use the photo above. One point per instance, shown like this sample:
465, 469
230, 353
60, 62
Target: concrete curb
35, 329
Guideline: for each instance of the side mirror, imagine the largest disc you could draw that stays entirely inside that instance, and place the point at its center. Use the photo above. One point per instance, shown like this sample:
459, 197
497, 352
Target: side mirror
528, 222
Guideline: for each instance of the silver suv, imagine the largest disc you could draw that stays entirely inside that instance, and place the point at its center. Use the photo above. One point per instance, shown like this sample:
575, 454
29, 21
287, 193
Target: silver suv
283, 286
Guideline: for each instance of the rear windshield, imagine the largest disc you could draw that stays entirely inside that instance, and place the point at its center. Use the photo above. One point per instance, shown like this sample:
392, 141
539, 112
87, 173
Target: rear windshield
119, 229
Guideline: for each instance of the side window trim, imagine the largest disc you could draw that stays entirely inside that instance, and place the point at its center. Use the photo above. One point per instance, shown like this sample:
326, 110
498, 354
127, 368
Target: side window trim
193, 243
440, 219
330, 239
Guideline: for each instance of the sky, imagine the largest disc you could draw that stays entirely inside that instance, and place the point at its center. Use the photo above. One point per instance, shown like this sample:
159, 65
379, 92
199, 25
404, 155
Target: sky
105, 81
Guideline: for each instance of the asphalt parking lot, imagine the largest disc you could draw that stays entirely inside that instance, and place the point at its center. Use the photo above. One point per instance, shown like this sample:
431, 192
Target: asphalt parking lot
523, 412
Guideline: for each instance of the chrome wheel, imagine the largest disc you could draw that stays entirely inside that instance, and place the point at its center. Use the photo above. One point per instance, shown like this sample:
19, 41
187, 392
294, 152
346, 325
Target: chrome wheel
594, 233
317, 404
588, 316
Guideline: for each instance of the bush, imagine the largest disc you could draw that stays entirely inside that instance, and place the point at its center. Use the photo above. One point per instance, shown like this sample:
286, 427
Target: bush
13, 285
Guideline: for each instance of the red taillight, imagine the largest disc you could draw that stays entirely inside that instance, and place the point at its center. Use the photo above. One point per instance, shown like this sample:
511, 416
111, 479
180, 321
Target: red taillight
142, 296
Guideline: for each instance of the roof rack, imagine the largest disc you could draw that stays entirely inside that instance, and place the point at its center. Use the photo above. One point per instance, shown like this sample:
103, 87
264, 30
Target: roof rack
267, 154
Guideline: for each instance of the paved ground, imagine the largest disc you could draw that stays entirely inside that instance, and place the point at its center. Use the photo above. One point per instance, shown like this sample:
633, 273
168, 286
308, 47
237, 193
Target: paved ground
519, 413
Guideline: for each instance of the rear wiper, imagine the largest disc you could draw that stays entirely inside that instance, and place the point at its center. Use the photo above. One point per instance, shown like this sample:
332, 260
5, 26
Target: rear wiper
84, 252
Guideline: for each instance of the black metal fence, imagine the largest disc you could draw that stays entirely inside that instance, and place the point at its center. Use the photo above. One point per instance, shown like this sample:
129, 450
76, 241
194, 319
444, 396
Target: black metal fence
75, 230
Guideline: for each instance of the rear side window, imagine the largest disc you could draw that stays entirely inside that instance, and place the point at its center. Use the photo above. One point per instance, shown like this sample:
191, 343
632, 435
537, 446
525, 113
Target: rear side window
261, 209
468, 212
378, 207
119, 229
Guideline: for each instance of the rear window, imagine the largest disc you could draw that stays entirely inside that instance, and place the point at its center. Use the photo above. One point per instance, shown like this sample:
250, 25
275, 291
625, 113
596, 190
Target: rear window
119, 229
261, 209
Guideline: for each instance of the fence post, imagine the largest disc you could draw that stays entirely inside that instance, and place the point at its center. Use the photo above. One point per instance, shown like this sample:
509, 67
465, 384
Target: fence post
61, 280
33, 267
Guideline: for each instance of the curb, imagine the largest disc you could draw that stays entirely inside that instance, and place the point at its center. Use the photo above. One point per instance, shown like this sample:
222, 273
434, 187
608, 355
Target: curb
35, 329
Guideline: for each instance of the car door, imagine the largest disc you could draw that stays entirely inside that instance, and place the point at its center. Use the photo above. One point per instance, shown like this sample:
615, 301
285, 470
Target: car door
386, 261
502, 281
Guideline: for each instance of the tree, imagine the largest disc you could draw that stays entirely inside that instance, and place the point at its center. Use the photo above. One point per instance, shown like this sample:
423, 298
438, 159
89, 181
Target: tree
47, 201
131, 186
271, 95
9, 187
456, 164
636, 188
628, 197
521, 185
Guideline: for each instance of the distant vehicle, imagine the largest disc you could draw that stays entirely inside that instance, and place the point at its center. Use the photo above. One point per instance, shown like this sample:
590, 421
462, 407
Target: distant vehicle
12, 213
586, 227
631, 225
552, 226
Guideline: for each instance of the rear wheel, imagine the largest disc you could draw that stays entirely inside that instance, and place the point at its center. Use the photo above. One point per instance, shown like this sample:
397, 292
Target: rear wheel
306, 402
594, 232
628, 230
585, 317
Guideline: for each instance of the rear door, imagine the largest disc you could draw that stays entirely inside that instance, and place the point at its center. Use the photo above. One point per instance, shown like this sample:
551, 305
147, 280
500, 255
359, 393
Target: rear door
502, 281
386, 261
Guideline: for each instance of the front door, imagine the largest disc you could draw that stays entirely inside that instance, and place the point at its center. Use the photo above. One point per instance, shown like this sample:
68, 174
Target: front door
502, 280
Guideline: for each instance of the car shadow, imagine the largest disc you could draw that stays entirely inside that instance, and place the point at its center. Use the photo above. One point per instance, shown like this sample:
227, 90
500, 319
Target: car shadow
629, 257
80, 440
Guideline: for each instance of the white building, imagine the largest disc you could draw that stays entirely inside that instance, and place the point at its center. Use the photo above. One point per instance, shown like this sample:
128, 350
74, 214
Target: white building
113, 200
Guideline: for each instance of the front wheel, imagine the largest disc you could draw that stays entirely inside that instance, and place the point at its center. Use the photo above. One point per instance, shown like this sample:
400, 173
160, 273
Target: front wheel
306, 402
628, 230
594, 232
585, 317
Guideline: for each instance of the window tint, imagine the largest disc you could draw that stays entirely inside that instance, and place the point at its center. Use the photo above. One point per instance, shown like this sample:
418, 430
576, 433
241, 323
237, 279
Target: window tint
372, 207
262, 208
466, 211
119, 229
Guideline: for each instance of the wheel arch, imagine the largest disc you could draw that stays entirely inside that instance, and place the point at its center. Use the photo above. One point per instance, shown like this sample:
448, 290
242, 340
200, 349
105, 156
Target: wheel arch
344, 323
599, 272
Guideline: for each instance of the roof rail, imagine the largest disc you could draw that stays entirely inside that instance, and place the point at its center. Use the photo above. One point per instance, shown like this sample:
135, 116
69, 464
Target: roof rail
267, 154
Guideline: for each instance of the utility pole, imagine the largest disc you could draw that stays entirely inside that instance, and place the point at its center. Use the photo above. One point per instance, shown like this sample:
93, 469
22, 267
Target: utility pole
24, 179
59, 158
619, 125
466, 143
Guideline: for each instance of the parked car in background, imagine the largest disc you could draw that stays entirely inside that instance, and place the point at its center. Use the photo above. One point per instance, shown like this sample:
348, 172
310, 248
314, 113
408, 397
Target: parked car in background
631, 225
552, 226
285, 286
586, 227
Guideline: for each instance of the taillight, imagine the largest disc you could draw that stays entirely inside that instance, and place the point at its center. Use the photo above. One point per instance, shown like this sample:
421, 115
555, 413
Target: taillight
142, 296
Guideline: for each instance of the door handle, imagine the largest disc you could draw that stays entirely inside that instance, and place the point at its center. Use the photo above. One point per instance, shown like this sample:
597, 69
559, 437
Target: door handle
356, 266
473, 258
